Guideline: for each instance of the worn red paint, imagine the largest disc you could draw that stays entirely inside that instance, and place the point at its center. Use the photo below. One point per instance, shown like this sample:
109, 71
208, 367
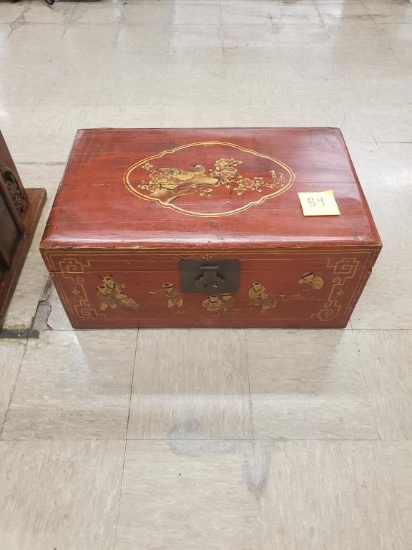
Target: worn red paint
134, 202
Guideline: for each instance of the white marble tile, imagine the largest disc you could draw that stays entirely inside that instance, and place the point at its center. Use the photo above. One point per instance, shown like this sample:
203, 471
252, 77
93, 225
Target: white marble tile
301, 89
73, 385
326, 496
245, 12
391, 124
390, 85
305, 34
246, 61
307, 385
386, 361
59, 494
82, 51
201, 63
179, 3
11, 355
5, 31
190, 2
132, 40
57, 318
392, 214
266, 12
399, 459
33, 41
9, 13
182, 80
25, 85
152, 14
195, 36
23, 305
39, 174
341, 13
384, 166
386, 302
399, 39
37, 12
359, 43
187, 494
310, 59
190, 384
295, 14
320, 2
196, 13
92, 89
99, 13
389, 11
49, 130
247, 36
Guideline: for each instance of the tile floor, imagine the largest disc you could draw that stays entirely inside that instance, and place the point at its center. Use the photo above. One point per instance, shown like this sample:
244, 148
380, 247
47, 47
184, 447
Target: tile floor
243, 440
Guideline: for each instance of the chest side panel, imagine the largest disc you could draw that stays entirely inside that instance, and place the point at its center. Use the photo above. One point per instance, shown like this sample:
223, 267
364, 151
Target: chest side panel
283, 289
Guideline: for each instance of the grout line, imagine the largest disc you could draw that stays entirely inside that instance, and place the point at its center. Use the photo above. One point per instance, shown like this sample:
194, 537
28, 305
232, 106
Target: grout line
212, 440
382, 329
40, 163
125, 443
253, 441
248, 381
14, 388
397, 498
120, 495
71, 17
322, 22
368, 395
29, 333
132, 382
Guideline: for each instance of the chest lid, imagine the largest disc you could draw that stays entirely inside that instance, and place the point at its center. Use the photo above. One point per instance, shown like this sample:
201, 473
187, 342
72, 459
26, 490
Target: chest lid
231, 188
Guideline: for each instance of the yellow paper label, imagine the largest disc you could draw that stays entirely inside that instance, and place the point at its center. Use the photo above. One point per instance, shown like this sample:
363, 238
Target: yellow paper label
319, 204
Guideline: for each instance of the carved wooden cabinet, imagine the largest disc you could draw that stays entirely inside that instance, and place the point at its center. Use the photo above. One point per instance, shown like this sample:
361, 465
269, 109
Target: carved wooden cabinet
19, 213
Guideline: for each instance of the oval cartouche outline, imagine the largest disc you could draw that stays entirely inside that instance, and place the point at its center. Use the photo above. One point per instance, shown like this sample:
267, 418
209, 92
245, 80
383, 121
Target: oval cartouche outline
132, 190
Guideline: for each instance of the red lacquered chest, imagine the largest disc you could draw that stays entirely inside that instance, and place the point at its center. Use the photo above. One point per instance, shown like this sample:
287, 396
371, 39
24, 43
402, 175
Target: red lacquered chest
204, 228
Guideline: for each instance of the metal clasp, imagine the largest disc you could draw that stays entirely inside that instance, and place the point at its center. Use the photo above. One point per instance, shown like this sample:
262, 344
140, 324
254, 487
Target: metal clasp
216, 277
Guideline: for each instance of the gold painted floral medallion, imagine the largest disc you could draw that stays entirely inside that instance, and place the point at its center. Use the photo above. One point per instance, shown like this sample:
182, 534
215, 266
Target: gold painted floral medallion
209, 178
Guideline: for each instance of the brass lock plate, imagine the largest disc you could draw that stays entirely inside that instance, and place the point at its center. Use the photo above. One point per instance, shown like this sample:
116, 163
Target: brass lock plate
209, 277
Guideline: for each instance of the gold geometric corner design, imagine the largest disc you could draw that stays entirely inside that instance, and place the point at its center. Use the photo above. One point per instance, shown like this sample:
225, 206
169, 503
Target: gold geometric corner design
82, 306
344, 271
73, 265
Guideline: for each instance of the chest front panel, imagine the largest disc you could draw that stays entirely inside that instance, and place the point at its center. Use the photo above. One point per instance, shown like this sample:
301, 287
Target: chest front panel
283, 289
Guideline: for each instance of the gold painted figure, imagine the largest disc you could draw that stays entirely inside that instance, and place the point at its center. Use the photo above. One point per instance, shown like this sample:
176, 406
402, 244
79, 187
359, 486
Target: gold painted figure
111, 295
173, 296
310, 280
227, 302
212, 303
259, 297
218, 303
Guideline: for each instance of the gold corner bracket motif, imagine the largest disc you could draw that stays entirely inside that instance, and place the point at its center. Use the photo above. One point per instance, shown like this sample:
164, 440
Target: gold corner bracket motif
222, 178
